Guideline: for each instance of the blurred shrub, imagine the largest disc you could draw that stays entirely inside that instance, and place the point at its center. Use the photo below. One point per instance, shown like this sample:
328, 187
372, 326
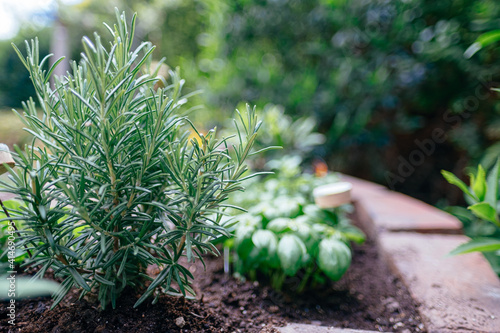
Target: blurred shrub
284, 138
296, 137
376, 74
15, 84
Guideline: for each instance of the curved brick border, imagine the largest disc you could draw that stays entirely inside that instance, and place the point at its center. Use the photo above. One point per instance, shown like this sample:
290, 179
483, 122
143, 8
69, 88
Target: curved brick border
454, 294
381, 210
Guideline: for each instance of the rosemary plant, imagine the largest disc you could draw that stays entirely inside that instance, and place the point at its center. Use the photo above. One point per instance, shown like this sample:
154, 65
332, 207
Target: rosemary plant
117, 177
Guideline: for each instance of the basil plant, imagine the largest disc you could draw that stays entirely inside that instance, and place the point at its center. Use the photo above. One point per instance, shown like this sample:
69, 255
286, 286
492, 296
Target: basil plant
285, 234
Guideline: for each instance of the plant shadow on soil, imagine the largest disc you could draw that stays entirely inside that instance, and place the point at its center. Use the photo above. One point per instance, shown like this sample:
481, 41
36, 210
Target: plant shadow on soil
368, 297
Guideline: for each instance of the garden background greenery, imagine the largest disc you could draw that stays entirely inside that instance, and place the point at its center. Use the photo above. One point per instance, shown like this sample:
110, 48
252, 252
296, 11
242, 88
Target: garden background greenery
380, 78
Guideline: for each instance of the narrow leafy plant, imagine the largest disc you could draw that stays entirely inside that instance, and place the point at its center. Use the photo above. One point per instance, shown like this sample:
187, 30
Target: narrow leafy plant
481, 218
117, 177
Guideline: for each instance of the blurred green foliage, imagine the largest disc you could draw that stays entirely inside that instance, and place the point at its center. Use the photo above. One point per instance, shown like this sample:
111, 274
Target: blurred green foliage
15, 85
376, 75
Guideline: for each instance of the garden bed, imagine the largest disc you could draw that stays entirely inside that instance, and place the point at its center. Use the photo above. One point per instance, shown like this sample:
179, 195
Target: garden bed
367, 297
401, 280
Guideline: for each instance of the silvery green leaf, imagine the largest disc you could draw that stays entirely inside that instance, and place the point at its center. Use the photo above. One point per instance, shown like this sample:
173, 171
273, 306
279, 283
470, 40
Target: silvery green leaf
265, 239
280, 224
334, 258
302, 227
291, 250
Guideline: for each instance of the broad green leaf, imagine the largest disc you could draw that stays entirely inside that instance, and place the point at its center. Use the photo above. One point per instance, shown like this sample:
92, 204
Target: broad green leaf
265, 239
249, 220
462, 213
352, 233
478, 245
283, 206
243, 241
322, 229
472, 49
244, 232
302, 228
334, 258
452, 179
492, 185
279, 225
320, 215
485, 211
478, 183
291, 250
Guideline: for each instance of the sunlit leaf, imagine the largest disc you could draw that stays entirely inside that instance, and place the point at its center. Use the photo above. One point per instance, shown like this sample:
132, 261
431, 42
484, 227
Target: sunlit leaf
485, 211
478, 245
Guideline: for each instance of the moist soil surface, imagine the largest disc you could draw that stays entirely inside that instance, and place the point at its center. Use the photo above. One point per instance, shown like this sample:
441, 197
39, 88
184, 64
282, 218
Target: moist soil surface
367, 297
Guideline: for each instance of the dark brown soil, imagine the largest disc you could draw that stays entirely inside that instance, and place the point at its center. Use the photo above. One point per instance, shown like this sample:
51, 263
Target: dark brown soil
367, 297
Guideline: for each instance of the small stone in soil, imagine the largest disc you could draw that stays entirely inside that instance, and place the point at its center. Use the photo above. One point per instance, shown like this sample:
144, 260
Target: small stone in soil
392, 307
179, 321
273, 309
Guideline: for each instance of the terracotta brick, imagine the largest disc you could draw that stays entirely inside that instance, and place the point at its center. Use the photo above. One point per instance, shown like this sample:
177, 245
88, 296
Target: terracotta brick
456, 294
303, 328
362, 188
393, 211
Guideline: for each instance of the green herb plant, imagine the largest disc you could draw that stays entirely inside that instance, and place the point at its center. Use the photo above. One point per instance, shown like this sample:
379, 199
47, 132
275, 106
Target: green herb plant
117, 177
285, 234
481, 218
295, 137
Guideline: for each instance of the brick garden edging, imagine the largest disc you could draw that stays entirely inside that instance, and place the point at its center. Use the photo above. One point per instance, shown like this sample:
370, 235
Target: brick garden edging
454, 294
